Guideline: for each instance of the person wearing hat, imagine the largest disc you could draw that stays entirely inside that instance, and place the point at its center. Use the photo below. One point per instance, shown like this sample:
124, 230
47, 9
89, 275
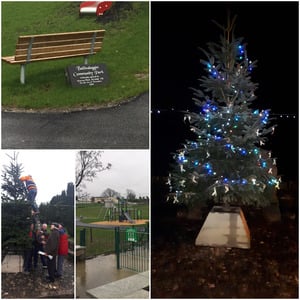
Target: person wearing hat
31, 192
51, 248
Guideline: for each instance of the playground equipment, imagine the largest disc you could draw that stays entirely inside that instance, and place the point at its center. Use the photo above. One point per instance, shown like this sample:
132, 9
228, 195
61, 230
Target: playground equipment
94, 7
120, 211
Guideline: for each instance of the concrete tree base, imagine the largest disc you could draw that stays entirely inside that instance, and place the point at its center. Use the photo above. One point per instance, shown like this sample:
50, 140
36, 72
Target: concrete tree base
224, 227
12, 264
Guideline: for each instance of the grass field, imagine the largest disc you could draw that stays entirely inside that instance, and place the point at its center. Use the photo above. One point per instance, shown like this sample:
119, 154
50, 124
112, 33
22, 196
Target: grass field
125, 53
95, 212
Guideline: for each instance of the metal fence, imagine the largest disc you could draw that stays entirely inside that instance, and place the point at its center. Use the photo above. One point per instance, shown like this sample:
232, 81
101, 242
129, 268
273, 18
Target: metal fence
97, 241
132, 248
130, 244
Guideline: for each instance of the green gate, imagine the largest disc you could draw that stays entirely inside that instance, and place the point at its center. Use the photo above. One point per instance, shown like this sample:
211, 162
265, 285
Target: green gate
129, 243
132, 248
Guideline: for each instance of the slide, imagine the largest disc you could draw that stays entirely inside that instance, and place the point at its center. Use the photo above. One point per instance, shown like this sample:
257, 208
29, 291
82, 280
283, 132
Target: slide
128, 217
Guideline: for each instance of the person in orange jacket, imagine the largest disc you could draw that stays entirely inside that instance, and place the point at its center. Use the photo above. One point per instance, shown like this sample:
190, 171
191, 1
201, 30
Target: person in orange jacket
31, 192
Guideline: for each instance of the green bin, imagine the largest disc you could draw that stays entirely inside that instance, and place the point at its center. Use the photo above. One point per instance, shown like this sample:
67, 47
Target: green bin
82, 237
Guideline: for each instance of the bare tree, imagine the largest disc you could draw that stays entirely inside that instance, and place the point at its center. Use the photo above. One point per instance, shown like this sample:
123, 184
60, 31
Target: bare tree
111, 193
130, 194
88, 164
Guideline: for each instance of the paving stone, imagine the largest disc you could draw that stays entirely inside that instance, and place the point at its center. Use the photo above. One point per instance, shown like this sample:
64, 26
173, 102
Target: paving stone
129, 287
12, 264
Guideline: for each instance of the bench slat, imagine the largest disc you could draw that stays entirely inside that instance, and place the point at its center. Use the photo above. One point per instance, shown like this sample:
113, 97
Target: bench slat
50, 50
9, 59
47, 58
54, 55
60, 36
57, 43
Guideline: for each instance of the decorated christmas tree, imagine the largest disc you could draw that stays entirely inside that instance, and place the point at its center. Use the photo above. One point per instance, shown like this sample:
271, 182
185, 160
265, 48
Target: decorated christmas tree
226, 161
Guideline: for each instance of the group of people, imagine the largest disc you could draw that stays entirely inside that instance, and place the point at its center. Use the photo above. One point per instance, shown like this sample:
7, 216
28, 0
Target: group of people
51, 247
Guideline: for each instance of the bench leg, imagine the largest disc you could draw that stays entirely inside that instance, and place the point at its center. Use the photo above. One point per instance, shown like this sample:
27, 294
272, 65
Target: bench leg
86, 60
22, 74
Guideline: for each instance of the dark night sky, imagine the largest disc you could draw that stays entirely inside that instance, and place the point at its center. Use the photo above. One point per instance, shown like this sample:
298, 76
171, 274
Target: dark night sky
179, 29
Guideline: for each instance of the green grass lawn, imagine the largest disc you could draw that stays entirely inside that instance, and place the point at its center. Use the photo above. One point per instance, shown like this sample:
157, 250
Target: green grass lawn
95, 212
97, 241
125, 53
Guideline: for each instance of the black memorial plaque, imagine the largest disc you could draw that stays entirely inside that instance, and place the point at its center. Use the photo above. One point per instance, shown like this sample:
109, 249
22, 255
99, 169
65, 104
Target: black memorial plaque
87, 75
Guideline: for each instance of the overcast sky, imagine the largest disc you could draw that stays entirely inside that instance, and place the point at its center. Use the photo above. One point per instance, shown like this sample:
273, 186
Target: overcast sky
51, 170
130, 170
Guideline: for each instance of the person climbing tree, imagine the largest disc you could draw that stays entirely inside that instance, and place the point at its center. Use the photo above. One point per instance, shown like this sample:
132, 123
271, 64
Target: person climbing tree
31, 192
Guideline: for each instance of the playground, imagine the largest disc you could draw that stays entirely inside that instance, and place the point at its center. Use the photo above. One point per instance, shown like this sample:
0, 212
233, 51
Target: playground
120, 212
118, 223
96, 223
113, 212
115, 234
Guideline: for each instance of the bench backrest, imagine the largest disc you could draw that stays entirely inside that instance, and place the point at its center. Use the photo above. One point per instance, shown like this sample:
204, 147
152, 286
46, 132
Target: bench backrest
58, 45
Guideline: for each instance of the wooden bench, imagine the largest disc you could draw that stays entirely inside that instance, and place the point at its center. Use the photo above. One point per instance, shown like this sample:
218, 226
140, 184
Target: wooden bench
34, 48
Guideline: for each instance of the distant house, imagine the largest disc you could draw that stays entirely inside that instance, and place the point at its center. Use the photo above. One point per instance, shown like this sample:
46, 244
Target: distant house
98, 200
83, 200
104, 200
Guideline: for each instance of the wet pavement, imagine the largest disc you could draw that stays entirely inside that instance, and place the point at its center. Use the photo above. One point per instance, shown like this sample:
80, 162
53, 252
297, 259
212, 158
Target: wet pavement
96, 272
124, 126
132, 287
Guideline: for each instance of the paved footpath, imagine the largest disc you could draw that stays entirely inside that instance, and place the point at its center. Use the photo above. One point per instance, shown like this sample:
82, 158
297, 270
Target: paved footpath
132, 287
122, 127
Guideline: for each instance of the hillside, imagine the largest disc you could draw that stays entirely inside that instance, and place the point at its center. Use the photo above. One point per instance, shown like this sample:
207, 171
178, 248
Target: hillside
125, 53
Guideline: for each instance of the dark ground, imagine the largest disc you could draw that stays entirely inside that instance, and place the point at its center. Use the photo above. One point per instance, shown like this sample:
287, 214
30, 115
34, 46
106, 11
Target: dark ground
34, 285
268, 270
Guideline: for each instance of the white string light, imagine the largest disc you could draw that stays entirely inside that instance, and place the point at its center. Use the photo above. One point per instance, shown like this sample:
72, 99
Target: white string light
278, 115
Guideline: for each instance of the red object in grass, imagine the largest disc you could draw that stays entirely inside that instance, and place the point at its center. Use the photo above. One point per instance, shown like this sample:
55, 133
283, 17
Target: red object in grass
102, 7
97, 7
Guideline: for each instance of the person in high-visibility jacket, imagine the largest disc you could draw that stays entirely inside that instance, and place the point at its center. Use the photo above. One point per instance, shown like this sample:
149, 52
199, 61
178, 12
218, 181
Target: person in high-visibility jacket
31, 191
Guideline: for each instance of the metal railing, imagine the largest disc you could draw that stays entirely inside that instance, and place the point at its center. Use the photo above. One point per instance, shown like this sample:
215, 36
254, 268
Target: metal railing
132, 249
130, 244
